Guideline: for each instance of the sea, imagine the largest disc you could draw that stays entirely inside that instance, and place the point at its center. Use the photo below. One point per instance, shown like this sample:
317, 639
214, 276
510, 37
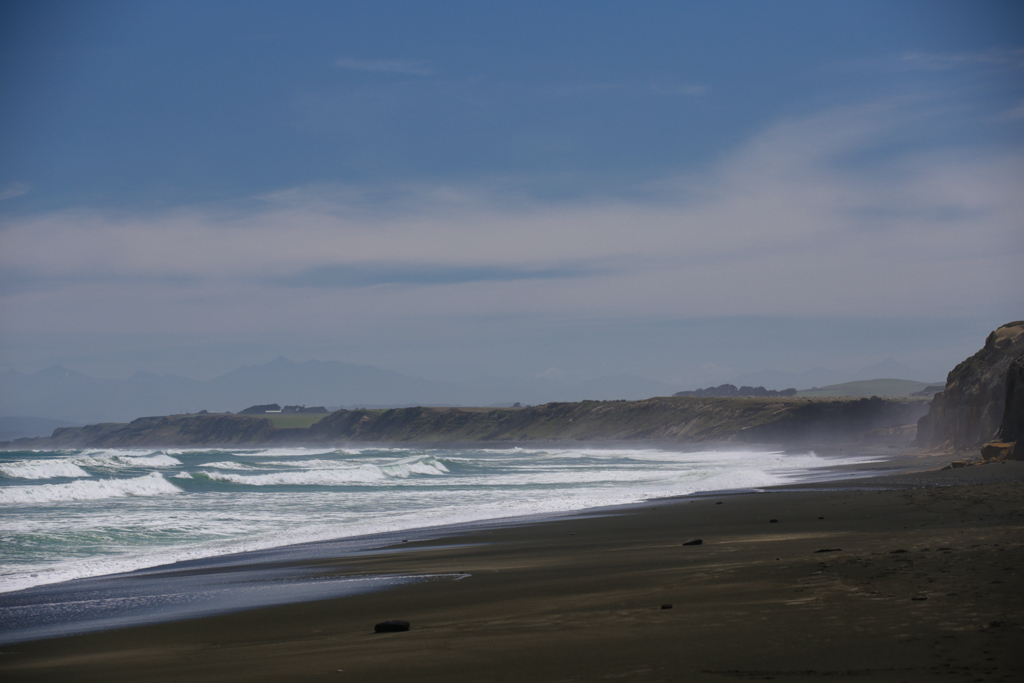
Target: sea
73, 514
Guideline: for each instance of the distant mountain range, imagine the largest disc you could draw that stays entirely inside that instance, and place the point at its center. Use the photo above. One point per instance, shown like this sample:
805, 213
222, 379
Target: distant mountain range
57, 393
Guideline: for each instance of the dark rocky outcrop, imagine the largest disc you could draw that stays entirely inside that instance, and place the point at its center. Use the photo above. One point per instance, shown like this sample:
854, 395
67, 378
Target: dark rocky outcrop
1012, 426
969, 410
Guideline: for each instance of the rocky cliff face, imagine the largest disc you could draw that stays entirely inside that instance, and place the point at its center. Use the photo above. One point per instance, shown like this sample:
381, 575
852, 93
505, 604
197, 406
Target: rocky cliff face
681, 419
969, 411
1012, 429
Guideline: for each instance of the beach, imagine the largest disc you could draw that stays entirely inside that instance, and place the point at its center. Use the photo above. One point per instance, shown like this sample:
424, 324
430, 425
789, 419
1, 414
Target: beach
886, 579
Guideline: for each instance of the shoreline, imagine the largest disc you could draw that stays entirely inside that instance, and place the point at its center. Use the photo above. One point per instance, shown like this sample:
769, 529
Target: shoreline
879, 459
298, 557
628, 560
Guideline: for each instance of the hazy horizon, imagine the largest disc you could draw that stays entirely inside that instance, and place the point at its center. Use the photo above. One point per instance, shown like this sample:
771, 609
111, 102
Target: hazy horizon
684, 193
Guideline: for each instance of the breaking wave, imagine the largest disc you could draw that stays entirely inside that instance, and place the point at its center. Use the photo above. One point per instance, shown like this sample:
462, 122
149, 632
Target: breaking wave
123, 460
43, 469
335, 476
152, 484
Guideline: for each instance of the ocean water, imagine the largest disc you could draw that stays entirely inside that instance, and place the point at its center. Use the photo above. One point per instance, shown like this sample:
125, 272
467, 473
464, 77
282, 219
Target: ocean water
83, 513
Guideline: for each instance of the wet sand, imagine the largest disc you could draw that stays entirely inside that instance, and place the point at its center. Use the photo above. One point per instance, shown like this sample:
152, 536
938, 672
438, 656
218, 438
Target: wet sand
905, 578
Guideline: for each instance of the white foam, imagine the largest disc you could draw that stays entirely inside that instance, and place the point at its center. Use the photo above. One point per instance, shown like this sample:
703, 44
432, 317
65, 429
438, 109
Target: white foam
152, 484
293, 452
43, 469
227, 465
389, 490
335, 477
333, 473
123, 460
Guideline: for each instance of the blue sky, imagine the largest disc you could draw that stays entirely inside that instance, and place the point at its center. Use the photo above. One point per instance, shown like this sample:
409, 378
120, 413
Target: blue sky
684, 191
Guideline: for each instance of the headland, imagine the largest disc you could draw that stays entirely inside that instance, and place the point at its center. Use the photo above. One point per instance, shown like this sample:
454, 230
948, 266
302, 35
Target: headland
662, 419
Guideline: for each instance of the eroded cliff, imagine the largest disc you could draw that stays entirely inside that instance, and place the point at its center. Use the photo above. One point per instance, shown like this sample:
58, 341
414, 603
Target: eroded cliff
969, 411
1012, 428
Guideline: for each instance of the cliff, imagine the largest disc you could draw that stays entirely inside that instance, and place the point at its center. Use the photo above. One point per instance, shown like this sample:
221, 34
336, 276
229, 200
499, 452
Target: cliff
175, 430
676, 419
969, 410
1012, 428
681, 419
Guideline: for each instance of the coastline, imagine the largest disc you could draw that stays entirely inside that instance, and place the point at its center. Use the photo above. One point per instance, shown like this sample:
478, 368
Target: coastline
324, 522
552, 599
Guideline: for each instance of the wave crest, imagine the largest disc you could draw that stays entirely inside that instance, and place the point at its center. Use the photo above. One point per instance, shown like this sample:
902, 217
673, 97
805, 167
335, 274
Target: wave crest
152, 484
122, 461
42, 469
337, 476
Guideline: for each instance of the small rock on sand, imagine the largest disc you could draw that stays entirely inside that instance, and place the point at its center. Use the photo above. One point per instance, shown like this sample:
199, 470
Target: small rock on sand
393, 626
693, 541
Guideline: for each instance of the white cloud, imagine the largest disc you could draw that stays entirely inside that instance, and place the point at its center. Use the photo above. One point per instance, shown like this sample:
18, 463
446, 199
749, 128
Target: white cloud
689, 89
1012, 59
394, 66
14, 190
1014, 114
783, 226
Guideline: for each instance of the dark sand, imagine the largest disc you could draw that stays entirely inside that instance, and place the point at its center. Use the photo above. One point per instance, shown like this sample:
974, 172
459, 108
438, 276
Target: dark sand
929, 582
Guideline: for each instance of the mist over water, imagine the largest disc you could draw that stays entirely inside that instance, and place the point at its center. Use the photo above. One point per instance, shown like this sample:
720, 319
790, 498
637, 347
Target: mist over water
73, 514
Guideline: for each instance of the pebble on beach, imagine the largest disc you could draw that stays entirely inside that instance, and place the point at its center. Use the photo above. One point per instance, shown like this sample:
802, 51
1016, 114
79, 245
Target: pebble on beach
393, 626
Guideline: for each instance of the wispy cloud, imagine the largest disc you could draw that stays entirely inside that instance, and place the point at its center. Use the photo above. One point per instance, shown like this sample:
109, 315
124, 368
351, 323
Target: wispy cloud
689, 89
14, 190
1014, 114
1010, 59
783, 226
393, 66
358, 275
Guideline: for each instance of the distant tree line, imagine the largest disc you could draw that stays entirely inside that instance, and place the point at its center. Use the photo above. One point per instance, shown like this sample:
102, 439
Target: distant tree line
730, 390
275, 408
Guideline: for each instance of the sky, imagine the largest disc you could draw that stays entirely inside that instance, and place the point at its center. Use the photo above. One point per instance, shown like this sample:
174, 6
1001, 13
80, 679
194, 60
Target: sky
683, 191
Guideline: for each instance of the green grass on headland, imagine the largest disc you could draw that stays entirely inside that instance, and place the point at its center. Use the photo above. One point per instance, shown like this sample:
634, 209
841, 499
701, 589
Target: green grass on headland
871, 387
